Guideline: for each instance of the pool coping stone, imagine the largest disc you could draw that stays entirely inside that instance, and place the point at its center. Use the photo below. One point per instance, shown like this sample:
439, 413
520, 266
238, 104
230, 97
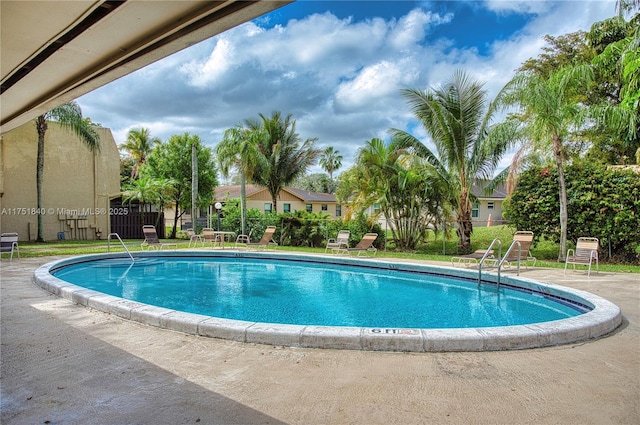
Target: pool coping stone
602, 320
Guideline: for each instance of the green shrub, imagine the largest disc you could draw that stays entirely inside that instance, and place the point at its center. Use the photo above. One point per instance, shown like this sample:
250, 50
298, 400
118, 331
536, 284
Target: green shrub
602, 202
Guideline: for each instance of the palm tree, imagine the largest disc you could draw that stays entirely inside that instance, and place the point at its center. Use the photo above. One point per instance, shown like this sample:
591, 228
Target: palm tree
282, 155
457, 117
149, 191
69, 115
239, 149
404, 187
330, 160
624, 6
142, 190
549, 109
139, 144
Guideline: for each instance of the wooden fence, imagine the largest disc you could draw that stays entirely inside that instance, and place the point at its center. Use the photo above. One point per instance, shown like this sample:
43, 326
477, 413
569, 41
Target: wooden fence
129, 226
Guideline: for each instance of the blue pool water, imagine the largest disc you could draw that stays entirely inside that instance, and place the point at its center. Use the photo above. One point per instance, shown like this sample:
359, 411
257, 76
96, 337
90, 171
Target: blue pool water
305, 293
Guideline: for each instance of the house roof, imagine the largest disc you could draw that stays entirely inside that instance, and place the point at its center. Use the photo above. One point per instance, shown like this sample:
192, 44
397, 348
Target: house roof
307, 196
478, 190
233, 192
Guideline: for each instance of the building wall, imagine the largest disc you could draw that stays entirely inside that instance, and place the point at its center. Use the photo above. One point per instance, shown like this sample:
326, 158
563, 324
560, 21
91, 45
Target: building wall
485, 210
296, 205
78, 184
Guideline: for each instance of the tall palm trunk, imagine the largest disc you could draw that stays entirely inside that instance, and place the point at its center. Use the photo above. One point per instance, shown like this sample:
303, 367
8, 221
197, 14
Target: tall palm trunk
176, 215
557, 152
41, 126
465, 228
243, 202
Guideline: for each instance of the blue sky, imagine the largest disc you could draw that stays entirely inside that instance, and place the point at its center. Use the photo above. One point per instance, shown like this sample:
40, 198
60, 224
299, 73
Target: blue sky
495, 26
336, 66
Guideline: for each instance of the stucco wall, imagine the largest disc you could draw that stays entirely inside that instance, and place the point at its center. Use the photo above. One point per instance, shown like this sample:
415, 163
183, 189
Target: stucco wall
484, 211
77, 183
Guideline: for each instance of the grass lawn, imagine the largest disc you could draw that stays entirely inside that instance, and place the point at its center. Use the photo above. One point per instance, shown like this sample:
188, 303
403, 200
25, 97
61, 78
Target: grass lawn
545, 251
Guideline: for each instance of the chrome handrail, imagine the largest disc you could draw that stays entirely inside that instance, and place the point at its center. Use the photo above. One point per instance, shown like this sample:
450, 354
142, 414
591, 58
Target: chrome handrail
486, 254
506, 255
121, 242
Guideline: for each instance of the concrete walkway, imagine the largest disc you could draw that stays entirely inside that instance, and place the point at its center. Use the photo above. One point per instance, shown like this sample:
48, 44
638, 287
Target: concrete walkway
65, 364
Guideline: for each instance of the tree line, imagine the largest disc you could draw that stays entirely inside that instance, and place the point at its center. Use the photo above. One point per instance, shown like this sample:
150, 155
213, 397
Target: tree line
579, 100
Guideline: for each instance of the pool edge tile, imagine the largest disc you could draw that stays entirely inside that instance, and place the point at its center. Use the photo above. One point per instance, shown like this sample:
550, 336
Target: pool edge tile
342, 338
214, 327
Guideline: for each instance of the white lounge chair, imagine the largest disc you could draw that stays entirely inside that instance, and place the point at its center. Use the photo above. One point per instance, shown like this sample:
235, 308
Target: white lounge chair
266, 241
518, 251
194, 238
340, 242
151, 240
9, 243
364, 246
243, 241
472, 259
585, 254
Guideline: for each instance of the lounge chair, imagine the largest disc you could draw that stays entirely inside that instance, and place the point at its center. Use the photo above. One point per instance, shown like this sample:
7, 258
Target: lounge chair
151, 240
340, 242
242, 241
194, 238
9, 243
518, 251
471, 259
266, 241
210, 235
364, 246
585, 253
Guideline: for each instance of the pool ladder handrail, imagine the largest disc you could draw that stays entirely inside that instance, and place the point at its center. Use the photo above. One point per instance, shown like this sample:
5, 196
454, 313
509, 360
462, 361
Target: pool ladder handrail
121, 243
487, 254
506, 255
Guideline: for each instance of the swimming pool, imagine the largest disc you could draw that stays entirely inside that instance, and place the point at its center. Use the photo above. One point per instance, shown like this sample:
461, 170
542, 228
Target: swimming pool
314, 301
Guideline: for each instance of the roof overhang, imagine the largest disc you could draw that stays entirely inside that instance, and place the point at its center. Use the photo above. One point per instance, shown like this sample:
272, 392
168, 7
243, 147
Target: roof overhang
55, 51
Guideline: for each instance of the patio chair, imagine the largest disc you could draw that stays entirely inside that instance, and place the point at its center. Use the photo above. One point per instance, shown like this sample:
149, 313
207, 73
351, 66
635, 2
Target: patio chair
341, 241
151, 240
585, 253
472, 259
210, 235
514, 253
266, 241
194, 238
242, 241
9, 243
364, 246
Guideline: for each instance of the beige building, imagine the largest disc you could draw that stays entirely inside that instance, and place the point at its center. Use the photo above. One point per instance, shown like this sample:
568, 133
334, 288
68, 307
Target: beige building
289, 200
487, 211
258, 197
78, 184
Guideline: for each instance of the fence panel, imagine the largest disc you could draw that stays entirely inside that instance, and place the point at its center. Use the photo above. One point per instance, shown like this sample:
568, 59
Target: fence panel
129, 226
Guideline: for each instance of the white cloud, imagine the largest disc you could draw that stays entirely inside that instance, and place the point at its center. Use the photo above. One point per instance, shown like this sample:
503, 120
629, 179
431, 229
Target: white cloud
219, 62
340, 78
372, 85
522, 6
411, 28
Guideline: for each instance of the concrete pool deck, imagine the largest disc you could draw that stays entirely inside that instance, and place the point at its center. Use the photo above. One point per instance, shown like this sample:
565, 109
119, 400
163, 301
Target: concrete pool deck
64, 363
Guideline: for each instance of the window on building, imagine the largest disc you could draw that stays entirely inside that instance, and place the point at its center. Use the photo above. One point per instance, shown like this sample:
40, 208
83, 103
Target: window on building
489, 205
376, 207
324, 207
309, 208
338, 210
475, 212
267, 207
286, 208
